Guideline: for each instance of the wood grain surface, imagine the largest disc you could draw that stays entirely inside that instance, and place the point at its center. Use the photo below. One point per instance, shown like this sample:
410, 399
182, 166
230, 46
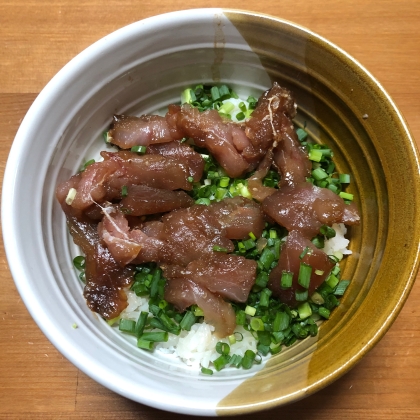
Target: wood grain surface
37, 38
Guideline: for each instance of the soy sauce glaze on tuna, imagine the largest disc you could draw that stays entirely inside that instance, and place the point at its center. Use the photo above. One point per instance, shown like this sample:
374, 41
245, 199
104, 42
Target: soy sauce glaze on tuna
137, 206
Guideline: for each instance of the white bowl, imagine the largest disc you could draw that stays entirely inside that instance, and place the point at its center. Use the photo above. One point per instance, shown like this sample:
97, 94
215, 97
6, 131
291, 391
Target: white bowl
140, 68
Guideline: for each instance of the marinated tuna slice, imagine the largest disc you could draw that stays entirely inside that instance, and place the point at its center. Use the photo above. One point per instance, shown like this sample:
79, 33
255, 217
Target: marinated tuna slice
88, 186
182, 152
129, 131
105, 278
192, 233
104, 181
230, 276
184, 293
255, 183
140, 200
291, 158
208, 130
275, 109
239, 216
152, 170
290, 261
305, 208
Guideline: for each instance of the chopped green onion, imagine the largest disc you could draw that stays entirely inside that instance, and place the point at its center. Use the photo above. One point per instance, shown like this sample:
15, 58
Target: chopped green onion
261, 279
332, 281
240, 116
127, 325
248, 359
304, 277
286, 279
240, 318
265, 297
206, 371
88, 163
341, 287
155, 336
107, 137
346, 196
315, 155
257, 324
224, 92
236, 360
302, 134
249, 310
304, 310
281, 321
215, 95
188, 321
224, 181
198, 311
139, 149
319, 272
324, 312
301, 295
327, 231
221, 362
190, 179
317, 298
318, 241
141, 323
188, 96
71, 195
79, 262
307, 250
218, 248
203, 201
232, 339
144, 344
222, 348
344, 178
319, 174
267, 258
124, 191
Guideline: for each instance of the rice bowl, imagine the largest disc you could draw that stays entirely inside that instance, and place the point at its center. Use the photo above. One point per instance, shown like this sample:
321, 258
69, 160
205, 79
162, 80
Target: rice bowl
381, 270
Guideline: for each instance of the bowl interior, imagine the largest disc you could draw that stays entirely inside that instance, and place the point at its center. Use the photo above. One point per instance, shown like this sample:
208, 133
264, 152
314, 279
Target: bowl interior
140, 69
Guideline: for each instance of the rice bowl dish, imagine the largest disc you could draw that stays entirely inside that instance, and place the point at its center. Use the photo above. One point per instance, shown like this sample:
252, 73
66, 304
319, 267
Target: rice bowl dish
147, 72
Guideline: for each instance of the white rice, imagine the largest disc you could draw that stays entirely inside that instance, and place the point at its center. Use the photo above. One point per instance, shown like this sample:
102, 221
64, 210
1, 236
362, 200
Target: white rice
197, 348
339, 243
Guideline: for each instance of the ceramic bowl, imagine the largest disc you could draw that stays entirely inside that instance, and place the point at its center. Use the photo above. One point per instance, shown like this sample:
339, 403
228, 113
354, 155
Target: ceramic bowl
142, 68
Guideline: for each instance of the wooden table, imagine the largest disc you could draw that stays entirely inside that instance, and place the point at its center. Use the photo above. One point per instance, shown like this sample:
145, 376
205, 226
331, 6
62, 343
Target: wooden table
37, 38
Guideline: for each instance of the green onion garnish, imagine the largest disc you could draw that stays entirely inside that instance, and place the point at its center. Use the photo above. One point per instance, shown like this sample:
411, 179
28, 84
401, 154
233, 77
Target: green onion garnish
124, 191
218, 248
304, 310
250, 310
324, 312
188, 321
344, 178
301, 295
346, 196
221, 361
155, 336
304, 277
341, 287
139, 149
248, 359
144, 344
286, 279
79, 262
206, 371
327, 231
222, 348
